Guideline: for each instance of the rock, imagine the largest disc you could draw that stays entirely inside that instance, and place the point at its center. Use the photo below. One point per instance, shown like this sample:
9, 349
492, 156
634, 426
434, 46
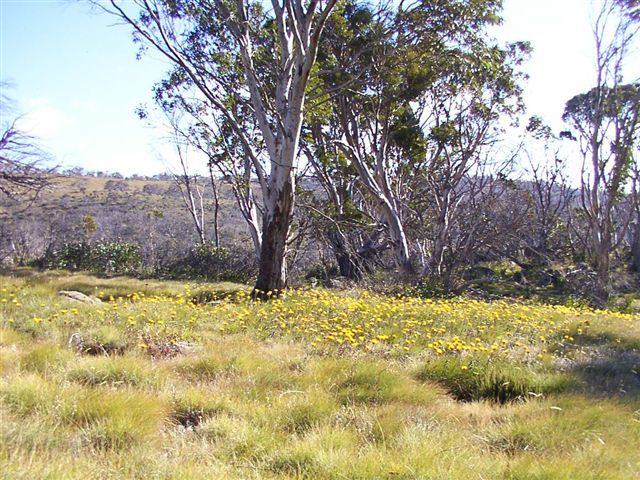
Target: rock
79, 297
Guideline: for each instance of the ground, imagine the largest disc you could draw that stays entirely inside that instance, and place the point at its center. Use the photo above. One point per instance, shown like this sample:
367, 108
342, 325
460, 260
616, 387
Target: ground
167, 380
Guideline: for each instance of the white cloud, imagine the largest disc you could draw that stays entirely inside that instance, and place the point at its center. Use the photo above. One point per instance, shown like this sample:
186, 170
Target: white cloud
44, 120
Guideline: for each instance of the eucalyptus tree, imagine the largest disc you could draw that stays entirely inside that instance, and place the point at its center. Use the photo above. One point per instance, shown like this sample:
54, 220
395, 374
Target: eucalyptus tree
227, 163
340, 219
607, 123
344, 218
374, 114
425, 86
192, 193
237, 55
544, 199
634, 237
465, 112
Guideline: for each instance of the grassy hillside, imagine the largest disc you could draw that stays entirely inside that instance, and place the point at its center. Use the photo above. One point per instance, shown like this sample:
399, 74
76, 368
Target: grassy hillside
149, 213
164, 380
99, 196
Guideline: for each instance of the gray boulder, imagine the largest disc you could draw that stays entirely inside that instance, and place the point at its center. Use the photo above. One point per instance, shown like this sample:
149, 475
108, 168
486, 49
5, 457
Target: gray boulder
79, 297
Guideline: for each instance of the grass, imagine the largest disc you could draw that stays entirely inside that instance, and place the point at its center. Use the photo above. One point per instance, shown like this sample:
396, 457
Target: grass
495, 380
156, 383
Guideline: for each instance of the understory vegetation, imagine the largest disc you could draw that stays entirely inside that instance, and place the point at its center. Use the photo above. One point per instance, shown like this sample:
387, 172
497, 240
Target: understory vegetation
162, 379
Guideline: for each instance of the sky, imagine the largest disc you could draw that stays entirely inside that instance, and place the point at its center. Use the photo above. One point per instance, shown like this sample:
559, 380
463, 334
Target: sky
76, 81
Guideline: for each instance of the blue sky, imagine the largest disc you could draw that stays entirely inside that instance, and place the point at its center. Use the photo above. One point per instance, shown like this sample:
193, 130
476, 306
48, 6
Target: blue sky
77, 81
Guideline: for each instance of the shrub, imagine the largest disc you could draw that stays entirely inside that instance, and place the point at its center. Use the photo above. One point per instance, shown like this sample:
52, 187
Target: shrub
116, 257
71, 256
208, 262
429, 288
320, 271
113, 257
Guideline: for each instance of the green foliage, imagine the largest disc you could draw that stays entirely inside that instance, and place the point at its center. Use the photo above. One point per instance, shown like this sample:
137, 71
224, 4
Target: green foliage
595, 113
89, 226
211, 263
111, 257
430, 287
320, 271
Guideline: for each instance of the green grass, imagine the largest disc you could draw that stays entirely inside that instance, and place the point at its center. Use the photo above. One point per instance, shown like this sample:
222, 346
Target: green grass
116, 371
494, 380
154, 385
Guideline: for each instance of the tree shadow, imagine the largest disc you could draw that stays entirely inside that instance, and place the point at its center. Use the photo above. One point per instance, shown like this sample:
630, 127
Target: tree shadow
606, 365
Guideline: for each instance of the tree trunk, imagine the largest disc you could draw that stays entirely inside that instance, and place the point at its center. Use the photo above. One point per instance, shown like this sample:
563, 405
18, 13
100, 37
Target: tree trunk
635, 248
398, 238
433, 267
216, 209
347, 263
272, 273
600, 264
253, 224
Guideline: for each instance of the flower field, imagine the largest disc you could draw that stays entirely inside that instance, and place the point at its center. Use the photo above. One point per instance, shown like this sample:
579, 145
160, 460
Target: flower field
164, 380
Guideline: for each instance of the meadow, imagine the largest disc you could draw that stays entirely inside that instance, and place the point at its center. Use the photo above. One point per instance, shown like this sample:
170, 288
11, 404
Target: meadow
166, 380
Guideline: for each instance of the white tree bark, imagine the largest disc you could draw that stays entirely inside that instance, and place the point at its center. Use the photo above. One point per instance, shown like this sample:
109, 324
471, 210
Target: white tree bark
299, 27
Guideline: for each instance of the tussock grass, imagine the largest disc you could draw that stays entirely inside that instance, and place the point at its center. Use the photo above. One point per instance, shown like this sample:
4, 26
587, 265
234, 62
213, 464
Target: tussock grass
9, 337
28, 394
111, 419
206, 367
103, 340
298, 461
113, 371
317, 385
45, 359
194, 405
299, 412
492, 379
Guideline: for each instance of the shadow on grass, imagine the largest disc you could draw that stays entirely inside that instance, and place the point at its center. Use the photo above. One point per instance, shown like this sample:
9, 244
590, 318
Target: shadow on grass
607, 365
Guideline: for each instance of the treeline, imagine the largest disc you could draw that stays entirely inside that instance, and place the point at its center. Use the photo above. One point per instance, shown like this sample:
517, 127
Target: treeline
400, 113
384, 138
81, 172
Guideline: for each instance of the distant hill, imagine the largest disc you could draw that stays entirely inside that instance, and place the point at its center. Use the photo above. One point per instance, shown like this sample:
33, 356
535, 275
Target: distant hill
148, 212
